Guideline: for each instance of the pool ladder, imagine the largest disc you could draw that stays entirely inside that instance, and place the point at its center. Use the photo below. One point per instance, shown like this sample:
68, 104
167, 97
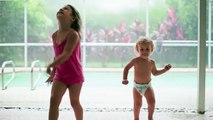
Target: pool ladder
10, 62
34, 82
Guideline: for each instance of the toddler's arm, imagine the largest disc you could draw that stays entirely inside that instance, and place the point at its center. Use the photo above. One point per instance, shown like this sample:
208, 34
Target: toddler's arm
167, 67
159, 72
125, 72
125, 81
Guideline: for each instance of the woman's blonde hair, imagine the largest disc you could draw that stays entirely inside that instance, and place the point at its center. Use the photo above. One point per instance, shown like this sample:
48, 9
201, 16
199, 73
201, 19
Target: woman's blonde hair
144, 41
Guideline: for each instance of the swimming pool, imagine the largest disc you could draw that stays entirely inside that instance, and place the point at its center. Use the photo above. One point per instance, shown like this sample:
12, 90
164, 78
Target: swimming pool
104, 89
113, 79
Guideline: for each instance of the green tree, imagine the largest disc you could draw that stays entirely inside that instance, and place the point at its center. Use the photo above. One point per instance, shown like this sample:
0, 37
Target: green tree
38, 22
12, 21
12, 26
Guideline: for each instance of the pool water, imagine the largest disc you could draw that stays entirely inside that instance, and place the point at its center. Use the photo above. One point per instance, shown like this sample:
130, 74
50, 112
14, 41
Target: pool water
113, 79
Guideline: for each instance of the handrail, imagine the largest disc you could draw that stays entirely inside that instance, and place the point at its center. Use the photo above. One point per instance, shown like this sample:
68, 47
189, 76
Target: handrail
34, 83
4, 86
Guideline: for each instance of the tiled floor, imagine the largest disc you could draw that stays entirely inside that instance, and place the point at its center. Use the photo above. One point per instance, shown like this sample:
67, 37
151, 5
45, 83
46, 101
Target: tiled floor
68, 115
104, 104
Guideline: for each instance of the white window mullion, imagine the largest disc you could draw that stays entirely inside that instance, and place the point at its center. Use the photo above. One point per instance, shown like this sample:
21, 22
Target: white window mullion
25, 34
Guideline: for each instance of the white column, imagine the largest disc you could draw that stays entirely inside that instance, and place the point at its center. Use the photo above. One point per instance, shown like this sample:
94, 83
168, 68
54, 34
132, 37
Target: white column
25, 34
201, 55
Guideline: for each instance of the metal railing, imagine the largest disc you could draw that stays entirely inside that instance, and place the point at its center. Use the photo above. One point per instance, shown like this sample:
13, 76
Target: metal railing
34, 82
4, 86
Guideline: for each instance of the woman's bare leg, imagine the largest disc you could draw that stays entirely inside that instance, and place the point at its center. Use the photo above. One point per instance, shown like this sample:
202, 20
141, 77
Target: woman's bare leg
57, 92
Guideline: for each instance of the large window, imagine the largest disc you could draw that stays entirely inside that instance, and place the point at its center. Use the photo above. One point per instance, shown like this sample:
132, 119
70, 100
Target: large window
12, 31
110, 30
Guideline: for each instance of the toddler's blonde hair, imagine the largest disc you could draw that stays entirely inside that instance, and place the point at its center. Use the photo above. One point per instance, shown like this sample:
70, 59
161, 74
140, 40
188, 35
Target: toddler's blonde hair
144, 41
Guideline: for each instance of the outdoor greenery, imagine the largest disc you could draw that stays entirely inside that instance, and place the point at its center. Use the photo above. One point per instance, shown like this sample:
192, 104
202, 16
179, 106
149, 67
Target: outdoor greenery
166, 23
11, 30
38, 22
12, 27
168, 20
188, 19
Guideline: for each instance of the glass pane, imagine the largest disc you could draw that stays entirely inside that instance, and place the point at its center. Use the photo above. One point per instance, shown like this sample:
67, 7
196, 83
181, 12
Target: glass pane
170, 21
209, 88
114, 21
42, 20
178, 56
43, 53
108, 56
111, 56
15, 54
209, 26
12, 21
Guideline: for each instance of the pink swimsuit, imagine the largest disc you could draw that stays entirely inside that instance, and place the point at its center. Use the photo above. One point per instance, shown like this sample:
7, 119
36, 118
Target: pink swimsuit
70, 71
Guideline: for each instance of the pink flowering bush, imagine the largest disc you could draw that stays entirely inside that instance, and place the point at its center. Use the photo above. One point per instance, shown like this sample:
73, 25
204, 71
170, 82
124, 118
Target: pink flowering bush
169, 29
